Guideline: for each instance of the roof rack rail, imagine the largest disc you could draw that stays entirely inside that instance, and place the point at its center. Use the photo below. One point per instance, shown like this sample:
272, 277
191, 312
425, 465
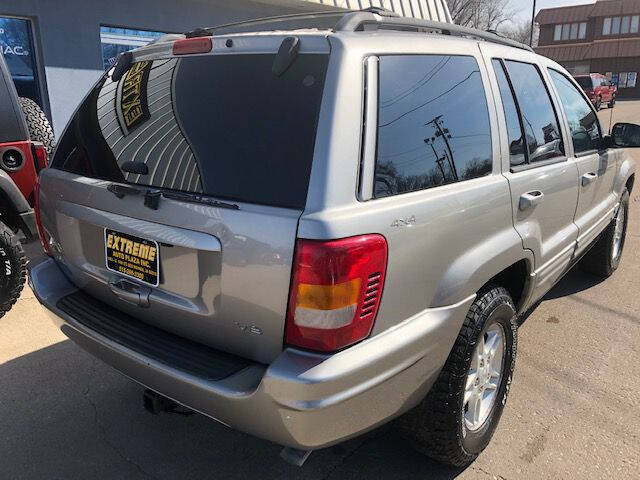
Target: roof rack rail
358, 21
354, 21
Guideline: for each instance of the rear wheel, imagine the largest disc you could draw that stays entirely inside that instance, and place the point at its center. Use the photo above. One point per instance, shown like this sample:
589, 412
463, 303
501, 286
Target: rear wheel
604, 257
13, 269
456, 421
612, 102
39, 128
598, 103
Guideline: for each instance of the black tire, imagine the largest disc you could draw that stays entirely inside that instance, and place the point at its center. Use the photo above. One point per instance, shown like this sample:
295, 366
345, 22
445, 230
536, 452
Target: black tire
612, 103
437, 427
598, 104
13, 269
39, 127
600, 260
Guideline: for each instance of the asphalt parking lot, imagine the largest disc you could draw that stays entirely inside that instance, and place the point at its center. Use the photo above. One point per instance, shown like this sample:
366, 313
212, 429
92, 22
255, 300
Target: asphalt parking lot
572, 411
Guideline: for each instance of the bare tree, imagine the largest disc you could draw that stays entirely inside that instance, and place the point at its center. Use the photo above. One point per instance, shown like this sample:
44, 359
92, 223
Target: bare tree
520, 32
481, 14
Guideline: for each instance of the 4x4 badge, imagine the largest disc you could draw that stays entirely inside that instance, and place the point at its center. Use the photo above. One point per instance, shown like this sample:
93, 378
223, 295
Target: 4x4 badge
404, 222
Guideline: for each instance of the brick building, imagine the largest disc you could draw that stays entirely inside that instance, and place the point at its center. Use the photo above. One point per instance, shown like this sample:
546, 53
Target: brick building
602, 37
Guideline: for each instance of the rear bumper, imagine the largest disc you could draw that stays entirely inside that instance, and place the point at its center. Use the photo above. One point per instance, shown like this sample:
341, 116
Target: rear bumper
302, 400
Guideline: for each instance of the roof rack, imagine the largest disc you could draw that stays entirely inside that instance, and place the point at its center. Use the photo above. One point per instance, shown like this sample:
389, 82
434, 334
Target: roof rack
372, 18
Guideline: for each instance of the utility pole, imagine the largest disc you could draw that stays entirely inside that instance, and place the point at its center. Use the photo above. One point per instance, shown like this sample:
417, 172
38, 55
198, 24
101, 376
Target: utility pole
439, 159
533, 19
446, 135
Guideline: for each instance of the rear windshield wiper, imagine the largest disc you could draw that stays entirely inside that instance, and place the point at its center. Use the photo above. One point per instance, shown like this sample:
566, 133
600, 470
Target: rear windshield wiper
152, 197
196, 198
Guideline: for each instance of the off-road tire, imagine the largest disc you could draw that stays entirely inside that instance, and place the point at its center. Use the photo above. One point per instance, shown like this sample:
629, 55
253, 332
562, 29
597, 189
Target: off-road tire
599, 260
612, 103
39, 127
436, 427
13, 269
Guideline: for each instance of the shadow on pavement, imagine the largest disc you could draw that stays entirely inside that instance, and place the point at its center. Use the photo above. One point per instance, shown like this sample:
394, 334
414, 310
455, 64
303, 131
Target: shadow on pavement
66, 415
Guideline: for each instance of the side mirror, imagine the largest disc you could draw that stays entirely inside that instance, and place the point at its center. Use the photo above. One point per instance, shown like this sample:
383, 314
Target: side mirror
626, 135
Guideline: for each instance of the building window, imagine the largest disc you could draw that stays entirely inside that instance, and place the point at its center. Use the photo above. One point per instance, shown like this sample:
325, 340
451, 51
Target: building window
582, 32
606, 26
624, 25
574, 31
615, 25
557, 33
570, 31
634, 24
16, 43
116, 40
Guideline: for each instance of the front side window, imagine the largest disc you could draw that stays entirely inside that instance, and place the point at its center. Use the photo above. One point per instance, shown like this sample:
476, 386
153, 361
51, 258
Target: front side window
433, 123
583, 122
539, 120
606, 26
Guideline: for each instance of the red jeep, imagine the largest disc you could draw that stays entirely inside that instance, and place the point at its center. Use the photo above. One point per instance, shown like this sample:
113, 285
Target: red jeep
598, 88
26, 140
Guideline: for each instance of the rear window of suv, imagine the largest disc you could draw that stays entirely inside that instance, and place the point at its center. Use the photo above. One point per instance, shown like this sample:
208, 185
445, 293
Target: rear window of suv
584, 82
219, 125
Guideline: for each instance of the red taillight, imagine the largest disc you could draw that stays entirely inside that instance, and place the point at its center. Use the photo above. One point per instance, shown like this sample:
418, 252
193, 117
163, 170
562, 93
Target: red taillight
192, 45
40, 155
335, 291
42, 233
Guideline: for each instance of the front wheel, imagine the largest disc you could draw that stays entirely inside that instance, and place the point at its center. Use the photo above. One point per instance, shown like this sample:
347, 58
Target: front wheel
13, 269
612, 102
604, 257
598, 104
456, 421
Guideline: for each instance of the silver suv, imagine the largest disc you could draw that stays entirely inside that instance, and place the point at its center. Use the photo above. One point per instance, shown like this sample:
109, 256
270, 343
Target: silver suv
307, 233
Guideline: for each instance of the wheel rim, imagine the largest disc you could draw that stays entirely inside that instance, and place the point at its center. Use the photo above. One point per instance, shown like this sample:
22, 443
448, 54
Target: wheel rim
484, 376
618, 234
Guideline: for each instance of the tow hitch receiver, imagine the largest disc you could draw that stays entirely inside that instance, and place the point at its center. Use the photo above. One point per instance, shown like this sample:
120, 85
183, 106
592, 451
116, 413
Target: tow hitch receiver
155, 403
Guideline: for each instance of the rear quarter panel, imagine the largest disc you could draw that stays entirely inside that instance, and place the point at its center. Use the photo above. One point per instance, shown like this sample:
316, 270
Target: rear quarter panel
463, 233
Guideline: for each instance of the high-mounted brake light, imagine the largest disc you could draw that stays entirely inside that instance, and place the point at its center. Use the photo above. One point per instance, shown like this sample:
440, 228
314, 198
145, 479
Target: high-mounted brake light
188, 46
335, 291
42, 233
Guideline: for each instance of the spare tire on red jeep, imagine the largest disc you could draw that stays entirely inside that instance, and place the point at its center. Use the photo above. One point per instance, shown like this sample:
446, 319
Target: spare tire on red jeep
39, 127
13, 269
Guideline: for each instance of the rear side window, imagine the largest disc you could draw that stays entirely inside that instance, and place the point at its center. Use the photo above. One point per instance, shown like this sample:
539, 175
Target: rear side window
222, 125
583, 122
539, 120
433, 123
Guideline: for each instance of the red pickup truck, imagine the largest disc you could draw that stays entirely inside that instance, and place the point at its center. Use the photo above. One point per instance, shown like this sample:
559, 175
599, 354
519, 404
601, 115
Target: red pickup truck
599, 89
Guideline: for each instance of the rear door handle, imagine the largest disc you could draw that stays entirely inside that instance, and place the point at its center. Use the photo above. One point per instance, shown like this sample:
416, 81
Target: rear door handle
588, 178
131, 292
530, 199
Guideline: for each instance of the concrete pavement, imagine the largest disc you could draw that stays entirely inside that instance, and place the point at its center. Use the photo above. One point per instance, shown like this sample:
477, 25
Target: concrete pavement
572, 411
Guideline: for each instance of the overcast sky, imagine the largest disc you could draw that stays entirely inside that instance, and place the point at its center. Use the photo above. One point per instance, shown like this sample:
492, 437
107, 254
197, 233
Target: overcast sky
524, 6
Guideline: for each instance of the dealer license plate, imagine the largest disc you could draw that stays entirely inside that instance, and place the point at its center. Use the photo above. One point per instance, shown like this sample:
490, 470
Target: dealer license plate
132, 256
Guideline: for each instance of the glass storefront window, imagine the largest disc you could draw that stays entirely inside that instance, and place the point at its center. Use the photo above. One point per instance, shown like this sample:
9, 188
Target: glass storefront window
16, 43
116, 40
